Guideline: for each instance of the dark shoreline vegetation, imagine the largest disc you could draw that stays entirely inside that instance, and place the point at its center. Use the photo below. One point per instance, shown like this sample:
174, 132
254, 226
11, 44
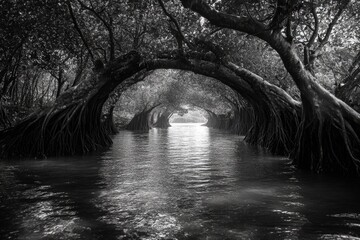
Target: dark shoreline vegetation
283, 73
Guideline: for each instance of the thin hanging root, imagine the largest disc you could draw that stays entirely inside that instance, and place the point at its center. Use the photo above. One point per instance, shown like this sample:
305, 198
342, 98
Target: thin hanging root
320, 138
346, 140
329, 143
352, 131
334, 155
59, 132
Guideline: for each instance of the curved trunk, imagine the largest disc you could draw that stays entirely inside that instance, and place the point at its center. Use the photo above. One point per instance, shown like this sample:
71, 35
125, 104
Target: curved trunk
328, 136
139, 122
324, 117
276, 114
73, 125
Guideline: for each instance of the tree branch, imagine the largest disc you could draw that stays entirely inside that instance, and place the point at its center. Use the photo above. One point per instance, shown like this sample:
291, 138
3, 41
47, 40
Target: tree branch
224, 20
107, 26
178, 28
316, 25
354, 63
342, 7
76, 25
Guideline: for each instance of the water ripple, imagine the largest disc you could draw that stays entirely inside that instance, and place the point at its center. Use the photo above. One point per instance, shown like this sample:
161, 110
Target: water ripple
185, 182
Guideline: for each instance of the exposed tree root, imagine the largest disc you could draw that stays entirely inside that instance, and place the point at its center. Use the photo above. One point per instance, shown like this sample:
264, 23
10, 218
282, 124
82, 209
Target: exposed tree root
276, 114
75, 129
328, 140
242, 121
73, 125
108, 122
4, 119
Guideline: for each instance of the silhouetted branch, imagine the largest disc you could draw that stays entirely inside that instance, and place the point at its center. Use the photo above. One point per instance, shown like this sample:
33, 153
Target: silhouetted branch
76, 25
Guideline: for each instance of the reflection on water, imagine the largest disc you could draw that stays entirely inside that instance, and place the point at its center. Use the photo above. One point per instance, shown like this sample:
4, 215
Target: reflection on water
186, 182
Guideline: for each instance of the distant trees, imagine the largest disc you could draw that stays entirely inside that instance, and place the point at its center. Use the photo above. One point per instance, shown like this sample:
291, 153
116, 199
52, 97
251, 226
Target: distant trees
166, 92
39, 55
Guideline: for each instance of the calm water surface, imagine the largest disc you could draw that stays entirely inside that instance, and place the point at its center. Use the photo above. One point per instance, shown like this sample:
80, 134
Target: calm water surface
186, 182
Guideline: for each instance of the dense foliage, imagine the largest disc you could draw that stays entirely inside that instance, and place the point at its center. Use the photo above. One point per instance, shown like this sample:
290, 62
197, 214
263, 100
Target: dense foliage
282, 62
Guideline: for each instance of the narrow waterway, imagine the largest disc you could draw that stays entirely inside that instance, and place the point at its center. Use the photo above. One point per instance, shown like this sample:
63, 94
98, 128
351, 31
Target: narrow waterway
186, 182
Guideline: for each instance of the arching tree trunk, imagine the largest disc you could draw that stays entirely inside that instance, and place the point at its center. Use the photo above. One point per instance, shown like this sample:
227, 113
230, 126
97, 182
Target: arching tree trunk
276, 114
277, 119
328, 137
139, 122
73, 125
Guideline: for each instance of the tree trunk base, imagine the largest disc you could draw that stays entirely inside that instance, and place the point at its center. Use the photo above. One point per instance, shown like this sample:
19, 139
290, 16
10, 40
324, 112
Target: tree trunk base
328, 143
73, 130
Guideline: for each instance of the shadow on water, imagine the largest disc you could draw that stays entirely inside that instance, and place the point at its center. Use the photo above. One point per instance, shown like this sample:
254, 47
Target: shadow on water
332, 206
54, 199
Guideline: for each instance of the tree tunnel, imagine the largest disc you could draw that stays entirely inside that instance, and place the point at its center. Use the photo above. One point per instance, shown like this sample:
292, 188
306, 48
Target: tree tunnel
74, 127
317, 130
165, 97
71, 128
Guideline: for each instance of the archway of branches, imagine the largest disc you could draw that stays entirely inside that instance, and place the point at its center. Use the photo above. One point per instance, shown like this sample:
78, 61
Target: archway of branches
163, 93
318, 131
74, 126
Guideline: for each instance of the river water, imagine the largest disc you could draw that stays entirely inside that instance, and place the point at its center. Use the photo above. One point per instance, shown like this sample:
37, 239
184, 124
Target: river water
186, 182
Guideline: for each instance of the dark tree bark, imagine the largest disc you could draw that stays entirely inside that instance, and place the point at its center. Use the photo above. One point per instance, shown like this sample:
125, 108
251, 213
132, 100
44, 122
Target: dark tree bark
243, 120
73, 125
328, 138
276, 114
4, 118
108, 123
